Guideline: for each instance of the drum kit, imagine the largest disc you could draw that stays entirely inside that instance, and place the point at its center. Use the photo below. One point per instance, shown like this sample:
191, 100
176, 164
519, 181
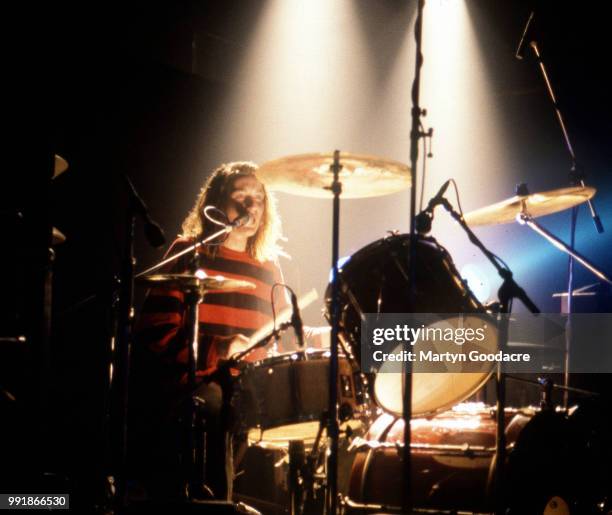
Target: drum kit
421, 447
283, 401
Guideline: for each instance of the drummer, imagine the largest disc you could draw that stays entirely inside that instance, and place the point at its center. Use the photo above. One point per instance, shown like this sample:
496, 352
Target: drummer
226, 320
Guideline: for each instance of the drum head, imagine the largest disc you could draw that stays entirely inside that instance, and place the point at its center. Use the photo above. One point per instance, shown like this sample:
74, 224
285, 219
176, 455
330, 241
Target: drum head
430, 392
434, 392
279, 436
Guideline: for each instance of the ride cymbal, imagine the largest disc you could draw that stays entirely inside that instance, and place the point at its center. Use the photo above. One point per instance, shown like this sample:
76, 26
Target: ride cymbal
535, 204
309, 175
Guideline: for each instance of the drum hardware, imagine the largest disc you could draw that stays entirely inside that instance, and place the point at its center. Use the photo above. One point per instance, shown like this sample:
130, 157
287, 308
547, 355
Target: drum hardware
523, 208
187, 250
195, 286
508, 291
548, 385
121, 324
525, 218
304, 482
354, 176
416, 133
576, 178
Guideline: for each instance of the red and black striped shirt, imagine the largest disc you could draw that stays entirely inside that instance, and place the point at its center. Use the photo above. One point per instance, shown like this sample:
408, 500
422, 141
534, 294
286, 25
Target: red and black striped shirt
222, 314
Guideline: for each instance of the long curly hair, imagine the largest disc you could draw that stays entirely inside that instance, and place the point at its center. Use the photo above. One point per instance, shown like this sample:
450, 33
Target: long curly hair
263, 245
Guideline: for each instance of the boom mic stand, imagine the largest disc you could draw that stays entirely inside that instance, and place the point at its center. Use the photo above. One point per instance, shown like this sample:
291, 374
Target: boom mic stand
415, 135
508, 291
576, 178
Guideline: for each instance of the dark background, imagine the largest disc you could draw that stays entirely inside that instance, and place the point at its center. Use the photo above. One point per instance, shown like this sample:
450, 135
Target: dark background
121, 89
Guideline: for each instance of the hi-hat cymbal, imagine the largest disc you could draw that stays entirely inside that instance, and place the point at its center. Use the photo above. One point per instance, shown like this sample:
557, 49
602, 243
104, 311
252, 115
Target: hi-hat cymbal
61, 165
535, 204
200, 281
309, 175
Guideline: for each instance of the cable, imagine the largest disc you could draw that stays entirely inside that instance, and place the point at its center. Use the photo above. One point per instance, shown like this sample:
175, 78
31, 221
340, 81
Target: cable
207, 214
499, 260
423, 172
457, 195
273, 304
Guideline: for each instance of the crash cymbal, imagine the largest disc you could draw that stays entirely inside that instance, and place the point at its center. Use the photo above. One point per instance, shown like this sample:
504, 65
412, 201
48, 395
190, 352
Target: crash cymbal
535, 204
201, 281
61, 165
308, 175
58, 237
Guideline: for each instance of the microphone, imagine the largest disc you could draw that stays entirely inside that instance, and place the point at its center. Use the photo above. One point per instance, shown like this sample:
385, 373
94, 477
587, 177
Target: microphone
425, 217
243, 214
240, 221
154, 233
519, 48
296, 320
439, 196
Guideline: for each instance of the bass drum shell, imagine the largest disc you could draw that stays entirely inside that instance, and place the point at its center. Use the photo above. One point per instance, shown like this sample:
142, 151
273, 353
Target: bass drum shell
453, 457
375, 280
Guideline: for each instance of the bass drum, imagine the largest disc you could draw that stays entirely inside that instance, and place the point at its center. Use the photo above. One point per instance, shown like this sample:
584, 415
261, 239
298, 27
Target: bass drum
375, 280
453, 462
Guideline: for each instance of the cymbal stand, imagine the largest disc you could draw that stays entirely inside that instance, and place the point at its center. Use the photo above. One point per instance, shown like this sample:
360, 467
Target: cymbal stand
576, 177
508, 291
331, 503
525, 218
193, 298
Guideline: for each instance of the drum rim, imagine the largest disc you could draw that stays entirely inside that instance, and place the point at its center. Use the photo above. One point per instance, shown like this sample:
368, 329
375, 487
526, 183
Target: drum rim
300, 356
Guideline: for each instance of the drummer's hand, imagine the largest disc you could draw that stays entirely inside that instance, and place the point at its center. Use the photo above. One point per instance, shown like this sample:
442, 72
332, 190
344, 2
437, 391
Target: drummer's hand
237, 344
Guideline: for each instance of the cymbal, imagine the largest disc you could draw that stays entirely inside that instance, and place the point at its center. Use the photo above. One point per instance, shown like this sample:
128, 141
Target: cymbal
201, 281
58, 237
61, 165
308, 175
535, 204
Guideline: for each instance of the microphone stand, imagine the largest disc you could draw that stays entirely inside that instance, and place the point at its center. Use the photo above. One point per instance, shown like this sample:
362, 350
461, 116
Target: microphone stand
193, 298
191, 248
576, 178
508, 291
415, 135
122, 324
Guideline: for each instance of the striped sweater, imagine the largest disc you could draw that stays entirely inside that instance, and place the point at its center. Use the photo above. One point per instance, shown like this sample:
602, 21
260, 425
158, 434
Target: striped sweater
161, 333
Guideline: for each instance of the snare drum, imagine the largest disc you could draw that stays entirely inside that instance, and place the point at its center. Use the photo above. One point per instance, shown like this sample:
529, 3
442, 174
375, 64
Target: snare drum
284, 398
